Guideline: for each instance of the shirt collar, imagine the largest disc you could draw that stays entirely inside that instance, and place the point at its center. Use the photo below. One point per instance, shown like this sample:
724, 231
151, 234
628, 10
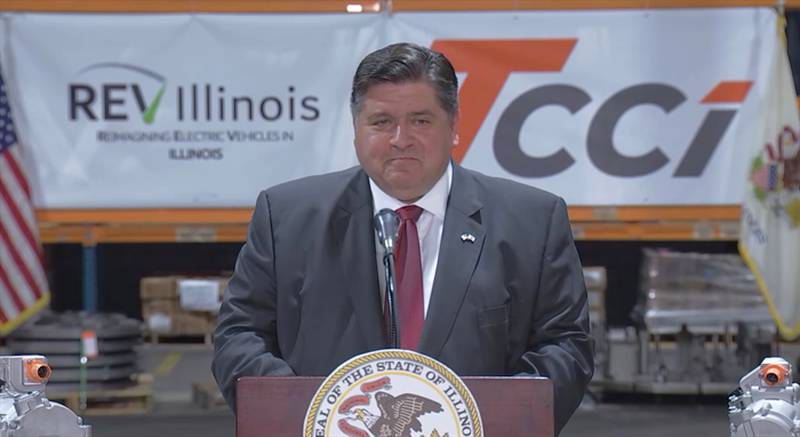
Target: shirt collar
434, 201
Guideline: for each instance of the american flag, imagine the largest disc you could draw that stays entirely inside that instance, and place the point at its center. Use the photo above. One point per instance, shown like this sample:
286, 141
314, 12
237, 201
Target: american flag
23, 285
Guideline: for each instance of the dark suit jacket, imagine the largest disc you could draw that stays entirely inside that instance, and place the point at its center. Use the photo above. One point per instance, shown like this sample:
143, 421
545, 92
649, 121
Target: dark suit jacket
304, 296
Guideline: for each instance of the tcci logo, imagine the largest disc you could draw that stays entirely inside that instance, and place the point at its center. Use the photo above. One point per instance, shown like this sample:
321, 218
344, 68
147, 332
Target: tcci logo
489, 63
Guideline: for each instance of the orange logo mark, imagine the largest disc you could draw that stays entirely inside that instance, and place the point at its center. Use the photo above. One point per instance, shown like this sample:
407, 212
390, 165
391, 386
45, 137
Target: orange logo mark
728, 91
488, 64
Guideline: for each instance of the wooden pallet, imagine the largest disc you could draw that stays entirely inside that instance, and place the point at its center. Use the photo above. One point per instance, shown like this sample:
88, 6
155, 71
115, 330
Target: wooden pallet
208, 396
137, 399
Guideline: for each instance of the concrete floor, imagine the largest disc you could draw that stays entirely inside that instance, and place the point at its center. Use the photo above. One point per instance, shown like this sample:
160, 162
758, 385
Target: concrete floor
175, 367
638, 420
606, 420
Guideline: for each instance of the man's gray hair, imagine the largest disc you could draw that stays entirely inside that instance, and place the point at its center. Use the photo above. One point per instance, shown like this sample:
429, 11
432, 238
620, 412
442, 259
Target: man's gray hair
406, 62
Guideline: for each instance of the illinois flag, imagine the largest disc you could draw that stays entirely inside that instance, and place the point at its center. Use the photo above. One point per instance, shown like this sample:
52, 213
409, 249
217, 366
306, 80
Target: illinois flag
23, 285
770, 230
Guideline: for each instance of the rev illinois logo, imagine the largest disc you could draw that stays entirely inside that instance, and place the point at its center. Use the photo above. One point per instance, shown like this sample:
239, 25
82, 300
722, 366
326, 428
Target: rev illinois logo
111, 101
118, 92
393, 393
129, 104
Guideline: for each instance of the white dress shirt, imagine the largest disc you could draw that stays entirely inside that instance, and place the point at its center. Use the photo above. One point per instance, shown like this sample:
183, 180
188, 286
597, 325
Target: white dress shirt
429, 229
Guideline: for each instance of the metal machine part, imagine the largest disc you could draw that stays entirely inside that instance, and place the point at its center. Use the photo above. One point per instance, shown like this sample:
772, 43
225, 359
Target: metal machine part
24, 409
766, 402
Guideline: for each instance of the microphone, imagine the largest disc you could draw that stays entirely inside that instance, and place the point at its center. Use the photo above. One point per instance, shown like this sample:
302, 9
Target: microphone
387, 224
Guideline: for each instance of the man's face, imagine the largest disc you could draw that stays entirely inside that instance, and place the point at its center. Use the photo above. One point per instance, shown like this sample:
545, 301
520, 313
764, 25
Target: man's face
403, 138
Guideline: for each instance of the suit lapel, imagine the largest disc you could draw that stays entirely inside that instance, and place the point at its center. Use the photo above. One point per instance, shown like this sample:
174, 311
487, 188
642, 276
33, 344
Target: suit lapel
352, 226
456, 263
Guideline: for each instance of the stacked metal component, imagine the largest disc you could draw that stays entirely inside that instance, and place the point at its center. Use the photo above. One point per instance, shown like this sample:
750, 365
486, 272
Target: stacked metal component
707, 293
58, 336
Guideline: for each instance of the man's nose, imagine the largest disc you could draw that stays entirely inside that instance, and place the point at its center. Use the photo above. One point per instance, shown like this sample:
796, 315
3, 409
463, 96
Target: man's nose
401, 138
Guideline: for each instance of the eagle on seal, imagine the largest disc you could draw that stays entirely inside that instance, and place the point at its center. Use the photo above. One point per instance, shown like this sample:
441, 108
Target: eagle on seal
399, 415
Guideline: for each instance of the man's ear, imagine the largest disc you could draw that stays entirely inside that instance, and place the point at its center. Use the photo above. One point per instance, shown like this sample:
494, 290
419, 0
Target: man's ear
454, 127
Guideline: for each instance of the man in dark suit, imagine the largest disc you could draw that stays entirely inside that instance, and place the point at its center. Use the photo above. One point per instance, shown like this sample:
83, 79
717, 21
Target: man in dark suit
497, 283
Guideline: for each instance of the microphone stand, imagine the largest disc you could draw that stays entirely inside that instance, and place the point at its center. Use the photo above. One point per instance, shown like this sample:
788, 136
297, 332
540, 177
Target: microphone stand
387, 223
391, 291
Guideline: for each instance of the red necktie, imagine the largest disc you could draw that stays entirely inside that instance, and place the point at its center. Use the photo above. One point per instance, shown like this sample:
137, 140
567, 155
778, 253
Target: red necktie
408, 265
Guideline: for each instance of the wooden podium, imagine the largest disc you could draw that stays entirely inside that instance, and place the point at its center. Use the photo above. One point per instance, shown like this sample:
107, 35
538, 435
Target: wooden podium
513, 406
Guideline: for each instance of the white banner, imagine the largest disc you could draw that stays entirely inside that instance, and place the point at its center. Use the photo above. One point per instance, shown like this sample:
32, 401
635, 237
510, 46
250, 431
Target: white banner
608, 108
603, 108
181, 111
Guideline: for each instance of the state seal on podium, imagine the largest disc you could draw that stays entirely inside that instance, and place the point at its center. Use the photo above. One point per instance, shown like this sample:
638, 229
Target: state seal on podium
393, 393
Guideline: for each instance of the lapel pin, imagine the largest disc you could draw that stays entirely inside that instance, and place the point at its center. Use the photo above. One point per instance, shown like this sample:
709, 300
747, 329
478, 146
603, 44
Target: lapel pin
467, 237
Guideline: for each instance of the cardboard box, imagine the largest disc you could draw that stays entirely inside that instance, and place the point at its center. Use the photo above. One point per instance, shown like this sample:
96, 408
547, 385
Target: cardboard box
181, 305
159, 306
158, 287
